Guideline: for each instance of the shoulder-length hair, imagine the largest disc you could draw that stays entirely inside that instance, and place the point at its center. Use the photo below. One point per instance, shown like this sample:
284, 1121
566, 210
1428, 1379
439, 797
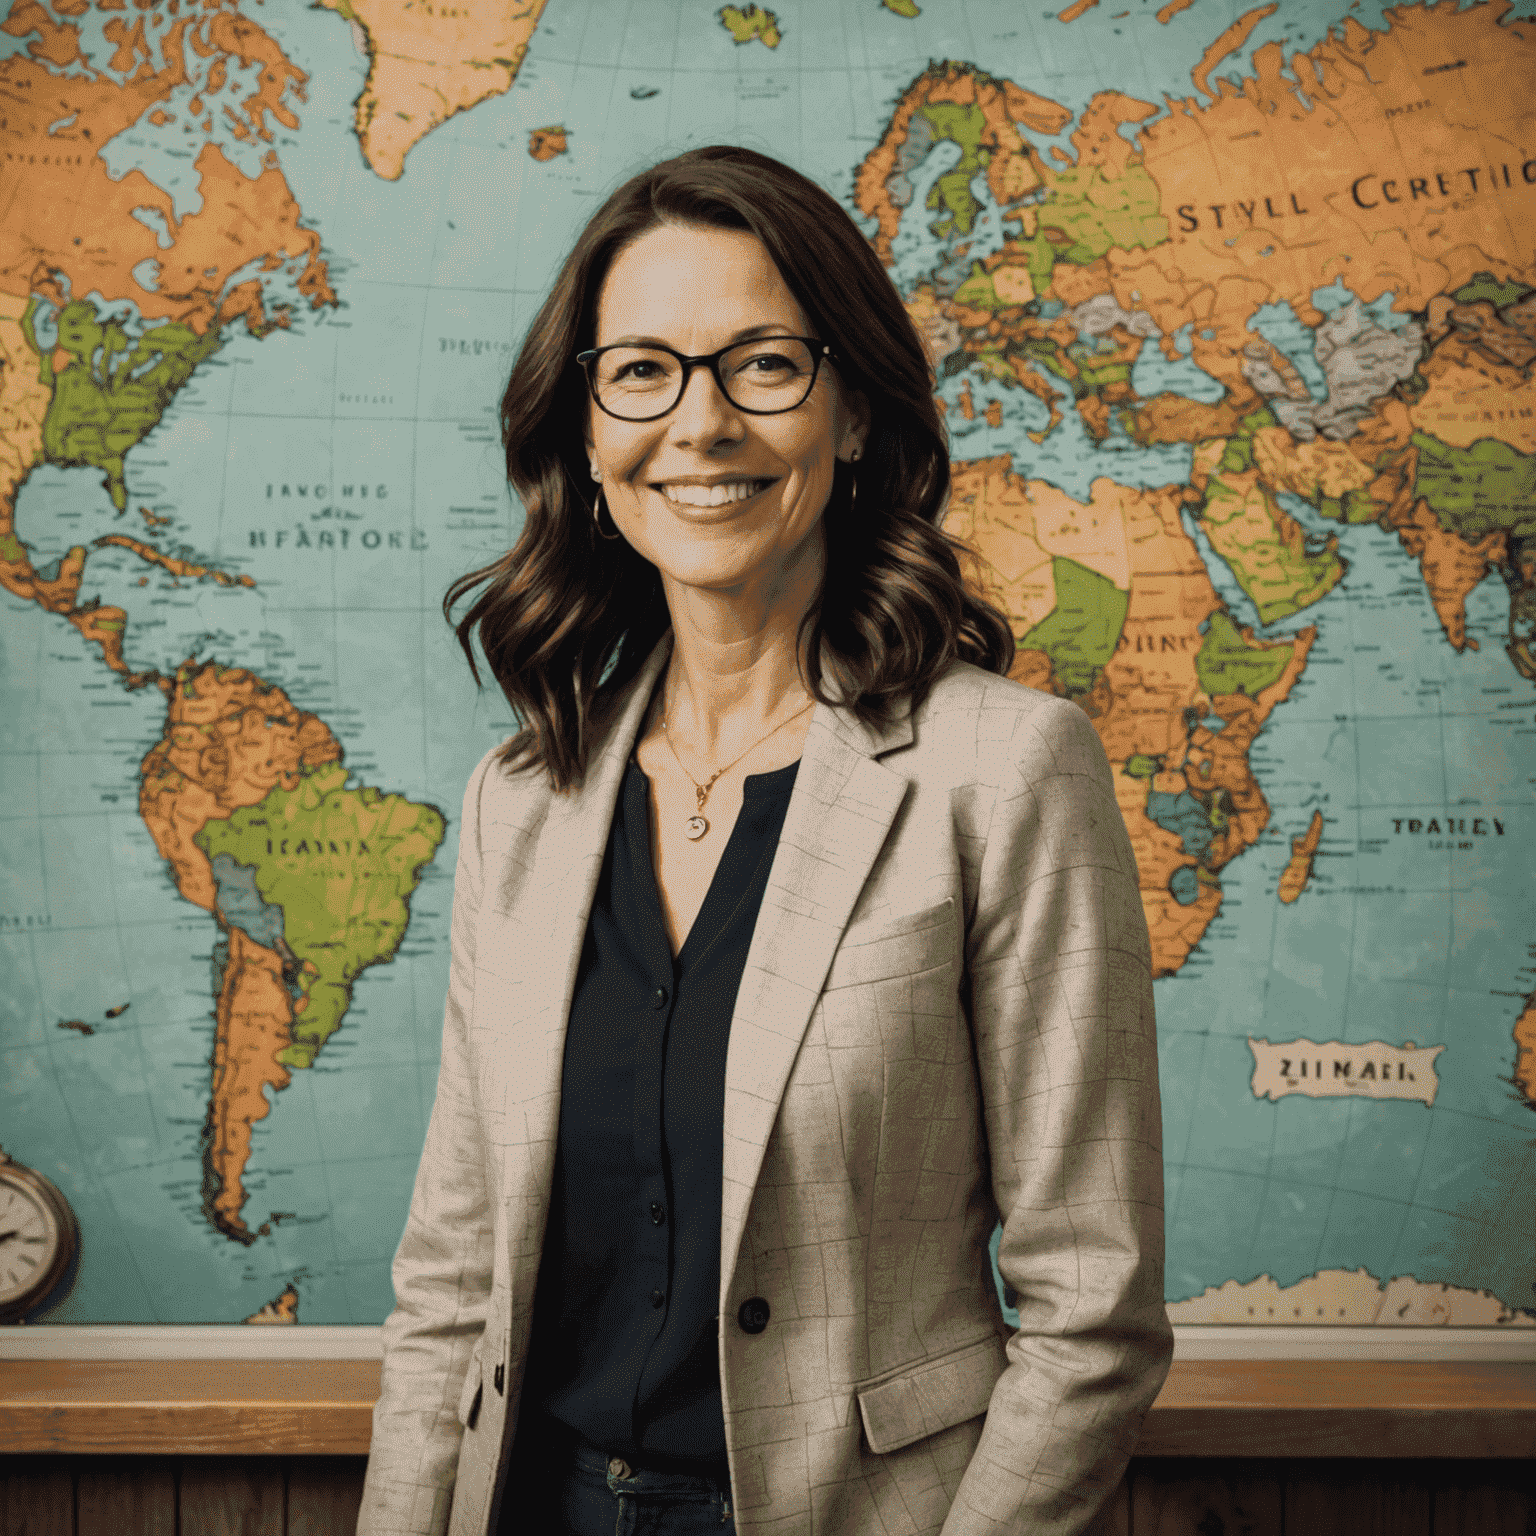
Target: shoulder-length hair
567, 619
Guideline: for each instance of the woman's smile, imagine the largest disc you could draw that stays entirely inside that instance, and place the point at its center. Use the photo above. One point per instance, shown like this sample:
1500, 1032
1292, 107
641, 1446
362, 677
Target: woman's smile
711, 492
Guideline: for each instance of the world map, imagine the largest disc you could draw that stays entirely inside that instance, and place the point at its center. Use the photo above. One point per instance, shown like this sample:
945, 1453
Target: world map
1232, 313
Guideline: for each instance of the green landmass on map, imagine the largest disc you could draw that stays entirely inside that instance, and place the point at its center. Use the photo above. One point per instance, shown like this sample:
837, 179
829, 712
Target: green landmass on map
1080, 632
1477, 489
110, 390
961, 124
1227, 663
1097, 213
341, 863
1486, 288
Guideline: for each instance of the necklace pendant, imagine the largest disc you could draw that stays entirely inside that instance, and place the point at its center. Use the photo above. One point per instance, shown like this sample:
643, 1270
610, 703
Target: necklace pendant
696, 827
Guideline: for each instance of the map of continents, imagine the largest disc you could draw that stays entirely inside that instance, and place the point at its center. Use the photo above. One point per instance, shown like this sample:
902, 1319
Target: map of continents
1232, 314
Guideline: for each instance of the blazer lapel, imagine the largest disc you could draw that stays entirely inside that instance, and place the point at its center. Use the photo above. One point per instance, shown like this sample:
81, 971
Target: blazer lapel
530, 950
839, 816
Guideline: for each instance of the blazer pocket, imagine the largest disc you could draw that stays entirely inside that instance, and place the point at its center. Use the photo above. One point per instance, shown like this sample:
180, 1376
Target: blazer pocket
469, 1393
930, 1395
904, 946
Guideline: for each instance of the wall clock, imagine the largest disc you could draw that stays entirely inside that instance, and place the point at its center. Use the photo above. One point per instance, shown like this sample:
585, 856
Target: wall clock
39, 1238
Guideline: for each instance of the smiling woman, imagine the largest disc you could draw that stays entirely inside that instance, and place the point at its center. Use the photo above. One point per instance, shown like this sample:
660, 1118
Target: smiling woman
814, 953
717, 246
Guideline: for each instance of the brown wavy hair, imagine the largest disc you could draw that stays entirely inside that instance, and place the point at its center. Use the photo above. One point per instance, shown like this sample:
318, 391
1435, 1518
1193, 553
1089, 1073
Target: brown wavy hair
566, 619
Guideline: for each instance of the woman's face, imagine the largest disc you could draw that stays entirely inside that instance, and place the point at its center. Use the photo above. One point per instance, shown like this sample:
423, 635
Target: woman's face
698, 289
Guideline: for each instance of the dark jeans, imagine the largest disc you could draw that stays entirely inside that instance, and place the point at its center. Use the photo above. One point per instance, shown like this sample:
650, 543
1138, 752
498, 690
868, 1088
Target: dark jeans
580, 1491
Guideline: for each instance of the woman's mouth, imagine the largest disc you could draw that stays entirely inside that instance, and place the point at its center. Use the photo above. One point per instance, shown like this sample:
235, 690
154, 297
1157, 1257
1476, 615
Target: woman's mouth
720, 493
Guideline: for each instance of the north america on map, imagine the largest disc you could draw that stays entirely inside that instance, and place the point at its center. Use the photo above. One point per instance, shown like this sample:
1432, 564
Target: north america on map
1232, 317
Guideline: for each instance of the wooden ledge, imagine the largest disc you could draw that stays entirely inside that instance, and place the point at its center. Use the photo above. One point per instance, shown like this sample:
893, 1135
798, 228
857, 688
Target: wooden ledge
1251, 1408
1381, 1408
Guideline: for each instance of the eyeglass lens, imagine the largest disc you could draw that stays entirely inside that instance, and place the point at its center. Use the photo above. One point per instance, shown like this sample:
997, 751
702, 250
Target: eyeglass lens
773, 374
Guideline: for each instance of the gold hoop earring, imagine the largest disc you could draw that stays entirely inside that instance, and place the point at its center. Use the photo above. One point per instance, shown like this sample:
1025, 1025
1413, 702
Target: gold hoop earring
597, 518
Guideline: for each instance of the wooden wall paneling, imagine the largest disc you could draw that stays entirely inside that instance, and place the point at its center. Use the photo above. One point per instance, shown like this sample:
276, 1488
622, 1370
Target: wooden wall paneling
1116, 1519
37, 1497
231, 1496
1480, 1500
1347, 1498
324, 1495
1204, 1498
125, 1496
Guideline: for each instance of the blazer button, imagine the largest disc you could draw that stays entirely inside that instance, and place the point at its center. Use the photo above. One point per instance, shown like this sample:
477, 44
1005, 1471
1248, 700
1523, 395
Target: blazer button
659, 998
753, 1315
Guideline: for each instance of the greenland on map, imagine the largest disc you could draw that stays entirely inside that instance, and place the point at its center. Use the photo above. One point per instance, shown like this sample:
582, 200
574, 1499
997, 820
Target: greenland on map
1232, 317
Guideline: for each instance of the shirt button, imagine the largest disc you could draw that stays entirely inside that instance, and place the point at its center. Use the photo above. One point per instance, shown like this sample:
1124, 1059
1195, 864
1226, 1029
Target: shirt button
753, 1315
657, 1298
658, 1214
659, 998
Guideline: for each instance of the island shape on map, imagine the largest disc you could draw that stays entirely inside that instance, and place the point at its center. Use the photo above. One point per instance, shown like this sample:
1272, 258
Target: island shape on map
308, 878
1349, 1298
428, 62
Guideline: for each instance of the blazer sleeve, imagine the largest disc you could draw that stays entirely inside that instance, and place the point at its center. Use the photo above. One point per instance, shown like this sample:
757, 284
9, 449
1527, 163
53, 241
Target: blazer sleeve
442, 1268
1060, 969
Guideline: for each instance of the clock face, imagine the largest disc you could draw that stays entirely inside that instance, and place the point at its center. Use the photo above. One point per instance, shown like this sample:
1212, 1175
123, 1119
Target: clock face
32, 1241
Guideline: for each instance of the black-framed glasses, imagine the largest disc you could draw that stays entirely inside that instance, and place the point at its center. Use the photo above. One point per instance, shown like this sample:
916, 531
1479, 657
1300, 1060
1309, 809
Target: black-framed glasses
764, 377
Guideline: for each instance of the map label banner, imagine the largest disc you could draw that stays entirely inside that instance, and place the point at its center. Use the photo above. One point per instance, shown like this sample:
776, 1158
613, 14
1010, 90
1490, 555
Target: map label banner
1333, 1070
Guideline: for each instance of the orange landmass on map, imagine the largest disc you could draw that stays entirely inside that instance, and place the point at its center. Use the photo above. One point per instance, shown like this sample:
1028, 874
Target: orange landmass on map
1382, 176
282, 1309
546, 143
1298, 870
426, 62
177, 567
1323, 467
1075, 10
1451, 566
252, 1017
1019, 526
1098, 141
1149, 691
56, 43
1462, 405
24, 398
228, 740
1228, 44
1172, 9
1525, 1051
1174, 418
1014, 166
65, 213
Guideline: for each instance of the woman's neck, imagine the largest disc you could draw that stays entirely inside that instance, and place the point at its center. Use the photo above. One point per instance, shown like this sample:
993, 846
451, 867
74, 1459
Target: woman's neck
717, 706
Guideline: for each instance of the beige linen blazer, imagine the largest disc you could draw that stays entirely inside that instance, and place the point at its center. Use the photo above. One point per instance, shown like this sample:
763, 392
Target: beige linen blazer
945, 1019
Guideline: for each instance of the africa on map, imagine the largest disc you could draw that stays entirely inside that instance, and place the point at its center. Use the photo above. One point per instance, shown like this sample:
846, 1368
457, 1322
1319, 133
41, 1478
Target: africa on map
1232, 316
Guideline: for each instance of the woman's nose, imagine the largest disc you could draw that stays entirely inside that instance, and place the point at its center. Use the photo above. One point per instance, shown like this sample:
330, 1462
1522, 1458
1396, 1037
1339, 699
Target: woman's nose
704, 416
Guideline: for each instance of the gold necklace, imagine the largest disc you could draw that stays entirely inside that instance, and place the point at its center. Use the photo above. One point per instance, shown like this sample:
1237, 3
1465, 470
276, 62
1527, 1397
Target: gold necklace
696, 826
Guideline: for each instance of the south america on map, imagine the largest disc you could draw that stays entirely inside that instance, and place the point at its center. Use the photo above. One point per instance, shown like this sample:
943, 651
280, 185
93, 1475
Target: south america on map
1232, 317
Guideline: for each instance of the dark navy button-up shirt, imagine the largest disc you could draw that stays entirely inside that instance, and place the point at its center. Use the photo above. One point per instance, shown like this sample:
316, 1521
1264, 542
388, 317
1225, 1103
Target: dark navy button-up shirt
624, 1340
